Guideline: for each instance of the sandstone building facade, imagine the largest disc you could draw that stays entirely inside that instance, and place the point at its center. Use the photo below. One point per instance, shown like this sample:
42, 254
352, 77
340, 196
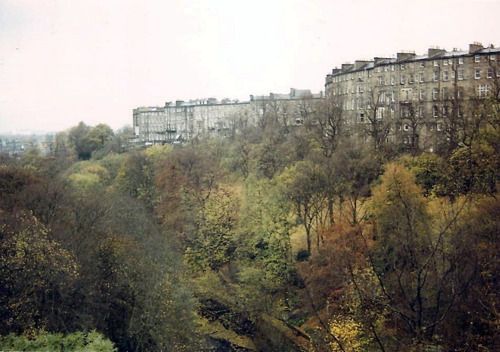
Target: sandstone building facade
414, 100
180, 121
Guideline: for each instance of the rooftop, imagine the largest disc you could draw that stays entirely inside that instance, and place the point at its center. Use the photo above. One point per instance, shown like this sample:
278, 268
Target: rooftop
407, 56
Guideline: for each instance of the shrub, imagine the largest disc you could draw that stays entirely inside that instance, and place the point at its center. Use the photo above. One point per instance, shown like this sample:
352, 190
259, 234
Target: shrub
75, 342
302, 255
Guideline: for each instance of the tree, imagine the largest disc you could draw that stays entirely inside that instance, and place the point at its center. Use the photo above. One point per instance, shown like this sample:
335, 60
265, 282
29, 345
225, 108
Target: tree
355, 173
326, 120
214, 245
412, 120
87, 140
378, 124
36, 276
136, 178
305, 186
474, 322
264, 250
428, 170
418, 274
471, 170
99, 139
76, 137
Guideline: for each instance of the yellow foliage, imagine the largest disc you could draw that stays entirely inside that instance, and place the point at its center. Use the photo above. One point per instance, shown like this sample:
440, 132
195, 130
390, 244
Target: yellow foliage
350, 334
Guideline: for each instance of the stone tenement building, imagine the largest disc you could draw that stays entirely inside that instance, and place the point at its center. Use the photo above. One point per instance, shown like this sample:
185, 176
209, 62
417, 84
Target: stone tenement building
412, 99
417, 101
180, 121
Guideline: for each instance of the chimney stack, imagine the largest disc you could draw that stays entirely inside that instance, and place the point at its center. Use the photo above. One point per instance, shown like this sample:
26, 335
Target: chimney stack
475, 47
433, 51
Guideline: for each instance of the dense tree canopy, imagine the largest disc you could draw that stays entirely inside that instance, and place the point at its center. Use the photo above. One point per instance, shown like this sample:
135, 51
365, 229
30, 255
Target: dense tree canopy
282, 238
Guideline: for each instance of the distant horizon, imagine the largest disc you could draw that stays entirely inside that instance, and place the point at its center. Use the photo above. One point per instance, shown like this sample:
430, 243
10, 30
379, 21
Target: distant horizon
40, 132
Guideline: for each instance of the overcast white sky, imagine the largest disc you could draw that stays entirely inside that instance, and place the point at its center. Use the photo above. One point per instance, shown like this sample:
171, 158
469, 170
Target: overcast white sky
65, 61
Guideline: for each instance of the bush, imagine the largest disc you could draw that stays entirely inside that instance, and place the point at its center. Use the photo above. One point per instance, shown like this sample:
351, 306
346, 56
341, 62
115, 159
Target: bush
78, 341
302, 255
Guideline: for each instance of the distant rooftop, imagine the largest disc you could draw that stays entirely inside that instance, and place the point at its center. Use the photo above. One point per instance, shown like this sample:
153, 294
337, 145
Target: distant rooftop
294, 94
407, 56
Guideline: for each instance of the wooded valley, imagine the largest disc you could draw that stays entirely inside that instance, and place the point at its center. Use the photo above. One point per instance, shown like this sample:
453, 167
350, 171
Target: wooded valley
278, 238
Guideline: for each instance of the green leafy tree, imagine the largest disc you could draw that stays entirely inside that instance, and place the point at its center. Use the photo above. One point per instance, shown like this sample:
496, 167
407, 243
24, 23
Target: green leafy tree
98, 139
418, 274
428, 170
304, 184
214, 245
472, 170
36, 274
76, 138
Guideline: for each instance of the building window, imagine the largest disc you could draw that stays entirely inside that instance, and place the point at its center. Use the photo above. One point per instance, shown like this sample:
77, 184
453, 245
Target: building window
406, 127
402, 79
393, 80
492, 57
392, 67
445, 75
436, 76
435, 111
452, 74
490, 72
460, 73
436, 63
460, 60
445, 62
445, 93
381, 97
477, 73
477, 58
421, 77
422, 64
421, 94
435, 93
483, 90
405, 94
393, 97
402, 66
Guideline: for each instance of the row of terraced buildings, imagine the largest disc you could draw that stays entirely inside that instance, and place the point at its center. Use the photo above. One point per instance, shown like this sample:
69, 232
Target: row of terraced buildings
413, 100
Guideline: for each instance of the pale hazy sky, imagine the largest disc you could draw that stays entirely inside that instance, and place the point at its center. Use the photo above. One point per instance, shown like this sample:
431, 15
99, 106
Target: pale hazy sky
65, 61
